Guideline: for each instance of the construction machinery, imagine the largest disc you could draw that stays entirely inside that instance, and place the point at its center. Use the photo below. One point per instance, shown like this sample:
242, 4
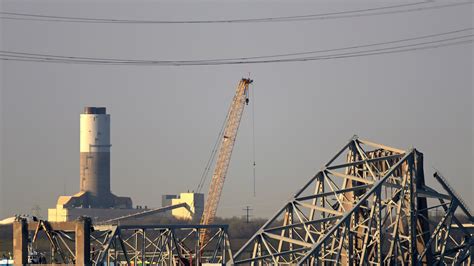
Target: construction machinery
227, 141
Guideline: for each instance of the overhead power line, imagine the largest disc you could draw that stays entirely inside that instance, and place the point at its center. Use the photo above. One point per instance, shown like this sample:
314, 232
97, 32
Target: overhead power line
328, 57
384, 10
359, 46
351, 51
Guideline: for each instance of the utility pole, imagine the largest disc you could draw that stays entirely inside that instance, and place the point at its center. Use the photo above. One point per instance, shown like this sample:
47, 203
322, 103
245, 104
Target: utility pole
247, 215
36, 211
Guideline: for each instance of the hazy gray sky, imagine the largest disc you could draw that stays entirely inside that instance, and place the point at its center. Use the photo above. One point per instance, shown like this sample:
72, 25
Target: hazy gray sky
165, 119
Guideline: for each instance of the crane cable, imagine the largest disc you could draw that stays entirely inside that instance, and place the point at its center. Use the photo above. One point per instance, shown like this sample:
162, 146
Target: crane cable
253, 143
210, 161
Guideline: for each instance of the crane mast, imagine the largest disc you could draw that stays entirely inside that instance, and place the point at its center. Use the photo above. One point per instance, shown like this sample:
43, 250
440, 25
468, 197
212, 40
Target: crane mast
225, 151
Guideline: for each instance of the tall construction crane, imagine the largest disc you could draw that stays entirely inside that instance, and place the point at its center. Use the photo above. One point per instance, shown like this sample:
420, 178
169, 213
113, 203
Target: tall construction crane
225, 151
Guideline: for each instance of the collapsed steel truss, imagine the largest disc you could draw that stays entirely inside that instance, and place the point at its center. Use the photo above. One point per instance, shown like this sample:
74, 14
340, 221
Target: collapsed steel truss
159, 245
61, 242
368, 205
104, 244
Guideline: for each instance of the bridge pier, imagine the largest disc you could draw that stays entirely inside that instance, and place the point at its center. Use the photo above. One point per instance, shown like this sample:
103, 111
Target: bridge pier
20, 241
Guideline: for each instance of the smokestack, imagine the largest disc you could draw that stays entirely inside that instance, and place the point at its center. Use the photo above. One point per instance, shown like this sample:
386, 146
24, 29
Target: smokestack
95, 156
95, 197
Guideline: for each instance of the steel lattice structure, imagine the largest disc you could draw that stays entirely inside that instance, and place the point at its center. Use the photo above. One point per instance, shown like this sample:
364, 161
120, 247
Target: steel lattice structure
368, 205
82, 243
159, 245
225, 152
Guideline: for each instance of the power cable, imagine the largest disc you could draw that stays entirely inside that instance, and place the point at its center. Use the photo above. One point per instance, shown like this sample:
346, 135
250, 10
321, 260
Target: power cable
394, 49
39, 60
330, 15
109, 60
108, 20
253, 57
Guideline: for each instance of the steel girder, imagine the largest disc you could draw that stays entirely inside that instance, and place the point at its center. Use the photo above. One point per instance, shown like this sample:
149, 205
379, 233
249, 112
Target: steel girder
61, 243
368, 205
159, 245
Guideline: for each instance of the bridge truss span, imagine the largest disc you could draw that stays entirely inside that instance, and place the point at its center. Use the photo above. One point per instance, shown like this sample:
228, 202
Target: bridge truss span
369, 205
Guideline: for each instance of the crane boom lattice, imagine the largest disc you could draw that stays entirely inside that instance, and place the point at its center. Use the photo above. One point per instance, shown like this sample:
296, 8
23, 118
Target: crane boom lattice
224, 155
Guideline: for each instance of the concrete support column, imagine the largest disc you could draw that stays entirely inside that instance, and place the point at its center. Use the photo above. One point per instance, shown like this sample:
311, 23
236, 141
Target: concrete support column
20, 241
83, 240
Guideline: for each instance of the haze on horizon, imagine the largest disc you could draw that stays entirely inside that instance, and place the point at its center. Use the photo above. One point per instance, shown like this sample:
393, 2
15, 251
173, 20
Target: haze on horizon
165, 119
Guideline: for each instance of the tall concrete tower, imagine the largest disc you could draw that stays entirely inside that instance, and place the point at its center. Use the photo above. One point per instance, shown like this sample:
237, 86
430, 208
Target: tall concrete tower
95, 198
95, 161
95, 155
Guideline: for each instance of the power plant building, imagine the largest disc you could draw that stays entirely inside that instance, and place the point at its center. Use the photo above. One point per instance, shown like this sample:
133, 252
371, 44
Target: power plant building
194, 201
95, 198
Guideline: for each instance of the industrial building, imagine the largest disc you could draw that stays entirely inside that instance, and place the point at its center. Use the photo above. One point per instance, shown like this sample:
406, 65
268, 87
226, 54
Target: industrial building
95, 198
194, 201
